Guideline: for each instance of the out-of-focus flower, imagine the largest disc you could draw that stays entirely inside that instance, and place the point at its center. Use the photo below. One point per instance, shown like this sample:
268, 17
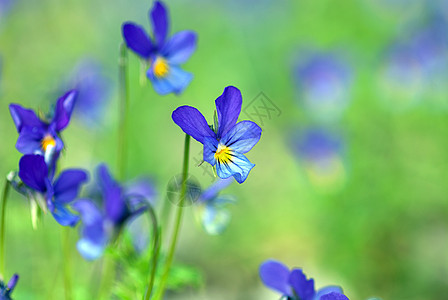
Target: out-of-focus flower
294, 285
324, 83
225, 145
55, 195
164, 55
42, 137
6, 290
211, 208
5, 6
101, 225
93, 88
321, 152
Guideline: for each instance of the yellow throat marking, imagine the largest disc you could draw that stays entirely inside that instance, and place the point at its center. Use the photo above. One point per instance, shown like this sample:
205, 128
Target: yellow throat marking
161, 67
48, 141
223, 154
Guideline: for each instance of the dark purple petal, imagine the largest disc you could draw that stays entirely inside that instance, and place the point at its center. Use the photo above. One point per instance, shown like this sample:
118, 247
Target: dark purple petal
63, 215
242, 137
33, 171
159, 21
303, 287
192, 122
66, 187
114, 204
229, 108
275, 275
327, 290
210, 147
137, 40
333, 296
63, 111
24, 117
179, 47
30, 140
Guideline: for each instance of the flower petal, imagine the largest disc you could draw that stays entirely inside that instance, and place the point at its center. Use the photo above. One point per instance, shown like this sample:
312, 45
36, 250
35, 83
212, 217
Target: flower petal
210, 147
63, 215
63, 111
114, 204
30, 140
176, 81
228, 106
333, 296
216, 217
242, 137
12, 283
180, 47
303, 287
238, 167
66, 187
327, 290
136, 39
213, 191
275, 275
24, 117
159, 20
33, 171
192, 122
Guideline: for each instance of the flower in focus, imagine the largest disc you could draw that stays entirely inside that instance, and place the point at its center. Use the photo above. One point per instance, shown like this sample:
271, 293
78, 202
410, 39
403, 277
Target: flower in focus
324, 82
101, 225
164, 55
211, 207
225, 145
55, 195
42, 137
294, 285
6, 290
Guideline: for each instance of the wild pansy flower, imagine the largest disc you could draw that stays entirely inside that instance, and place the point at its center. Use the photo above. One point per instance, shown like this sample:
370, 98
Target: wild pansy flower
101, 225
211, 207
6, 290
42, 137
225, 145
55, 195
164, 55
294, 285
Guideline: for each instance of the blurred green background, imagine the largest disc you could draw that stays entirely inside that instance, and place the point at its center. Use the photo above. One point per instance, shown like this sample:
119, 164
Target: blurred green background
377, 225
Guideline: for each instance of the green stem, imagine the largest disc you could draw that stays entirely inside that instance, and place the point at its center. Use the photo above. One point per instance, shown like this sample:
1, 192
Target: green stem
155, 251
124, 104
66, 262
172, 248
2, 229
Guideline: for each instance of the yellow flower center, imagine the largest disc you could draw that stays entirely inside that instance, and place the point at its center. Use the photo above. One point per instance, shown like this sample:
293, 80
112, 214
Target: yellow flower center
48, 141
161, 67
223, 154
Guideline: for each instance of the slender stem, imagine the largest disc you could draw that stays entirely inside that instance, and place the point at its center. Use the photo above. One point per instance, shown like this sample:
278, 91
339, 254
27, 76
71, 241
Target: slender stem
155, 251
66, 262
172, 248
2, 229
124, 104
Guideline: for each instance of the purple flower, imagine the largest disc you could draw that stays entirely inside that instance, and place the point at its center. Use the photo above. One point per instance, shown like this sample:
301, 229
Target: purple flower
100, 225
6, 290
225, 145
38, 136
56, 194
163, 54
294, 285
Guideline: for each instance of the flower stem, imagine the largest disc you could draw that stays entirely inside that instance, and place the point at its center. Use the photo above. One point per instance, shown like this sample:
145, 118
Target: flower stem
124, 104
155, 251
175, 235
2, 229
66, 262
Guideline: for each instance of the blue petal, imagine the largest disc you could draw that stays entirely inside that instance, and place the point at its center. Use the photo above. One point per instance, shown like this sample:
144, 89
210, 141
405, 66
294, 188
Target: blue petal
63, 110
327, 290
228, 106
143, 187
333, 296
159, 20
180, 47
12, 282
174, 82
242, 137
66, 187
216, 217
89, 249
210, 147
24, 117
239, 167
275, 275
33, 171
213, 191
303, 287
115, 206
137, 40
192, 122
63, 215
30, 140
